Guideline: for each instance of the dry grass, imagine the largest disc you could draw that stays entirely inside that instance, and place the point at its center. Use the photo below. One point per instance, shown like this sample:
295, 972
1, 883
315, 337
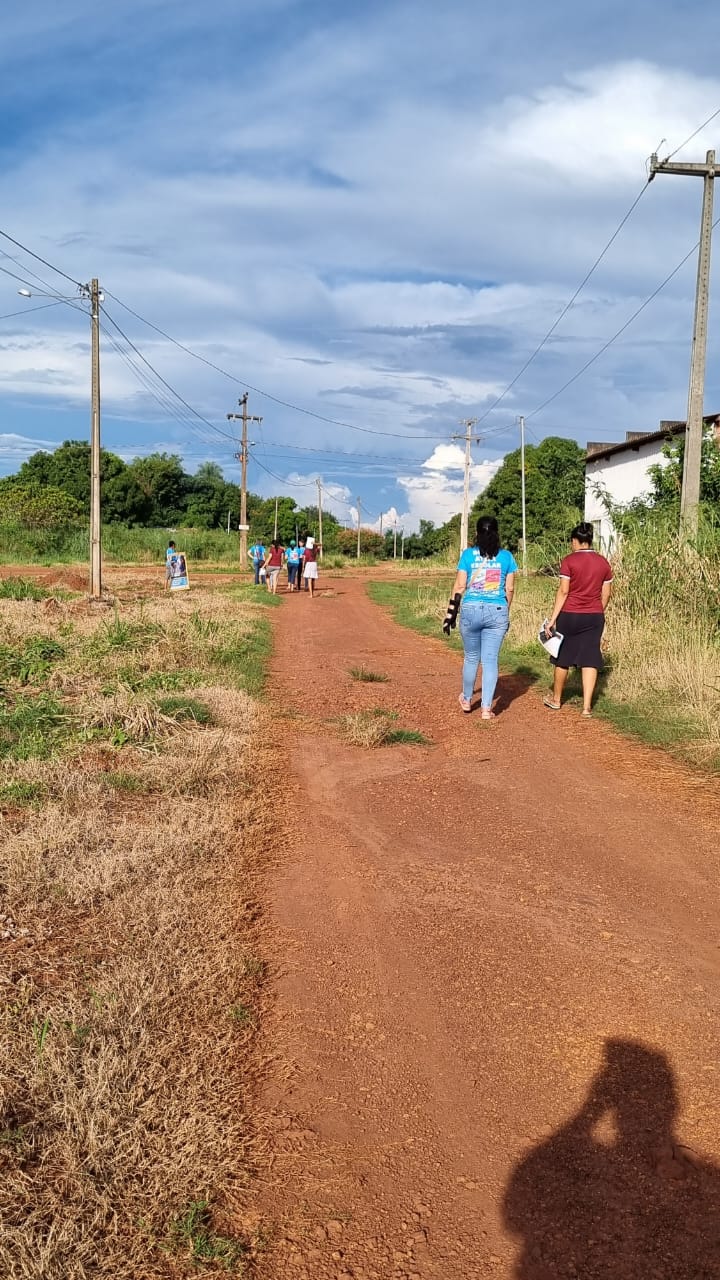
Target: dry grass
129, 892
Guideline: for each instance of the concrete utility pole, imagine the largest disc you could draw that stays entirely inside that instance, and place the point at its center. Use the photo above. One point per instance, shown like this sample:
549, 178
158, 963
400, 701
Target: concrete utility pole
358, 540
690, 497
394, 539
402, 544
522, 496
95, 518
469, 438
319, 489
242, 458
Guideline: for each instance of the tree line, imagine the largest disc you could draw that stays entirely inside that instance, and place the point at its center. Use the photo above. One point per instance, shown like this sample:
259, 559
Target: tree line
53, 489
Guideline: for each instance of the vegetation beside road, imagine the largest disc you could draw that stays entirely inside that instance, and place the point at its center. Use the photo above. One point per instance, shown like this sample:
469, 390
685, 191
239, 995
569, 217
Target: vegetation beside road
662, 679
133, 832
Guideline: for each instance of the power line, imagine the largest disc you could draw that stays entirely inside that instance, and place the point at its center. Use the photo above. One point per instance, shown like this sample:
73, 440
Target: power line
161, 397
165, 383
27, 311
694, 134
620, 331
569, 304
37, 258
286, 404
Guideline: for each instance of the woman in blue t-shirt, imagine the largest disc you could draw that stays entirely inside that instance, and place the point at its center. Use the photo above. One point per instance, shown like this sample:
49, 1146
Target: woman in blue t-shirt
485, 584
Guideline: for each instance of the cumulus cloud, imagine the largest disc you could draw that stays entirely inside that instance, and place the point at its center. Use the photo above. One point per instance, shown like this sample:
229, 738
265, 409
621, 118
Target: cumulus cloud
360, 238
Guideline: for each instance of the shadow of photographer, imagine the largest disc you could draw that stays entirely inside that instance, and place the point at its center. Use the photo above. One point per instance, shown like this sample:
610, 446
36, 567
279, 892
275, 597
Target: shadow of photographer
612, 1195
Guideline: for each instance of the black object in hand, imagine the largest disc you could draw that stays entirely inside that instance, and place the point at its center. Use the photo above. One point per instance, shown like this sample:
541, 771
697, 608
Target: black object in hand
452, 613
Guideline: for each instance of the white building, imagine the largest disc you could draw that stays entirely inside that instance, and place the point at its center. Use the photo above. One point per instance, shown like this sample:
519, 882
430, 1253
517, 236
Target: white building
620, 472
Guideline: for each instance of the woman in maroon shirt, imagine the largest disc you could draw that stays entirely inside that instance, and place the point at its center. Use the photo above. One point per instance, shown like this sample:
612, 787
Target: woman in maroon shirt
579, 613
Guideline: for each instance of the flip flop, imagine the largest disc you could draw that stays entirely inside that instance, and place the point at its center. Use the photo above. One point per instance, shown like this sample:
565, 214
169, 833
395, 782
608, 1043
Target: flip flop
587, 715
487, 714
466, 706
552, 706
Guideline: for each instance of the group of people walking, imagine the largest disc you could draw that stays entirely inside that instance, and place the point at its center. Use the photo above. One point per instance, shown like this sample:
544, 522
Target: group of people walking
483, 595
300, 558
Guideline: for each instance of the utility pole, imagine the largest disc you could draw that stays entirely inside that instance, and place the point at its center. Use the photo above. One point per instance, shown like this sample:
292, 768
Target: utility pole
522, 495
402, 544
95, 520
690, 497
276, 517
358, 540
319, 489
242, 458
468, 424
395, 539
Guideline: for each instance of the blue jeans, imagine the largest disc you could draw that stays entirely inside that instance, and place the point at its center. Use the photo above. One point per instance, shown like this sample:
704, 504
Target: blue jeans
483, 628
256, 567
292, 573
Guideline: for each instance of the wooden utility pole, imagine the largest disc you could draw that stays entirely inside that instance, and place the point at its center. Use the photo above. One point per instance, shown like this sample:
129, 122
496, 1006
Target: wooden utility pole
468, 424
690, 497
95, 516
320, 538
242, 458
358, 537
522, 496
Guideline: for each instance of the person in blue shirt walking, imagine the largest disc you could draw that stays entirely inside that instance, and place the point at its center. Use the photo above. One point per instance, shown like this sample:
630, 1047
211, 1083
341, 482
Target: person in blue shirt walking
257, 555
483, 593
292, 556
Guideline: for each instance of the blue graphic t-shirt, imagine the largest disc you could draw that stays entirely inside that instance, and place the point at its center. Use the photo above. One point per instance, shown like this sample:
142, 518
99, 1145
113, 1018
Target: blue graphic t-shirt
486, 575
293, 555
257, 552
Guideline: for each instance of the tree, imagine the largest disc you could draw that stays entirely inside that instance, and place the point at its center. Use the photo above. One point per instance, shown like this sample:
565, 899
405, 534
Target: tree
163, 485
371, 543
38, 506
211, 498
667, 479
68, 468
554, 492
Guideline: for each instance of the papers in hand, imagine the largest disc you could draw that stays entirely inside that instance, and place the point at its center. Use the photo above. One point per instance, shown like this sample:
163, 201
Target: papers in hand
552, 645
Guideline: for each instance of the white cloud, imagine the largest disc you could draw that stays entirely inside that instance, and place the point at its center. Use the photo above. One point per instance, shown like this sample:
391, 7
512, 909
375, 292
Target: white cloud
17, 447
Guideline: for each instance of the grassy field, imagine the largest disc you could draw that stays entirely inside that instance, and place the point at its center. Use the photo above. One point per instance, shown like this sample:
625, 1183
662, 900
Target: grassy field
133, 832
662, 676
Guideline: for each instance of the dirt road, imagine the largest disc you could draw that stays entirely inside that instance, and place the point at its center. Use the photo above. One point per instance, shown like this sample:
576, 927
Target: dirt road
494, 1037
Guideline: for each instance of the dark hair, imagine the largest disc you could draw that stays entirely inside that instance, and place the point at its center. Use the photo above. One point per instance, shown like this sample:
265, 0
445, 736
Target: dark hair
275, 543
583, 532
171, 544
487, 537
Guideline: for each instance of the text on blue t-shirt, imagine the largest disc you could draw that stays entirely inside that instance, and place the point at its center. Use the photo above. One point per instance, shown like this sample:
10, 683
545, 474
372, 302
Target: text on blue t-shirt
486, 575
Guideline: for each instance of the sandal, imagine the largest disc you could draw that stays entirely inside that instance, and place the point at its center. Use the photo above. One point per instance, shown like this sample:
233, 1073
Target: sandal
487, 714
587, 715
548, 702
465, 704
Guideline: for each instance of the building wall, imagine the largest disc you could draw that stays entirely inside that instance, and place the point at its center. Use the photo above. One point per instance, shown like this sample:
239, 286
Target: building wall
624, 476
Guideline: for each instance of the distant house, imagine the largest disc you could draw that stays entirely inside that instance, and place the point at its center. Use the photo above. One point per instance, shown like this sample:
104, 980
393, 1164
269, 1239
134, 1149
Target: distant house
620, 472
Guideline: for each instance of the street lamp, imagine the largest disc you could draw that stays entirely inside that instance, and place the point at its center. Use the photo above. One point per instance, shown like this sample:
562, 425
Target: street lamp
90, 293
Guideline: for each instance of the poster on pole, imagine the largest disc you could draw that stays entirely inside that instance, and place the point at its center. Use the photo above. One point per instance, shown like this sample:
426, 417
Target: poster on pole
179, 580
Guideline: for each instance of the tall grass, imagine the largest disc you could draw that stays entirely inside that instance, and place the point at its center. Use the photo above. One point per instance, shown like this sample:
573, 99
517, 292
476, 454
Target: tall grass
121, 545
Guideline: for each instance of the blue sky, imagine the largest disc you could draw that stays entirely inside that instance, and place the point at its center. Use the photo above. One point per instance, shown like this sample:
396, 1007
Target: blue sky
372, 211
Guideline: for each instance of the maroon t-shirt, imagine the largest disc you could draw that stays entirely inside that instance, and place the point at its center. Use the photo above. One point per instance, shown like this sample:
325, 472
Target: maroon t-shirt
276, 555
587, 571
311, 554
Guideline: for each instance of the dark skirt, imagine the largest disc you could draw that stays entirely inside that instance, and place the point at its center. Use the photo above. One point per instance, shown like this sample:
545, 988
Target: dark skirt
582, 635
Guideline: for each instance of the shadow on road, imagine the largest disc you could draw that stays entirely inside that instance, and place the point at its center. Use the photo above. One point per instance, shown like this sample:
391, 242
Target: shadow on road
612, 1195
514, 686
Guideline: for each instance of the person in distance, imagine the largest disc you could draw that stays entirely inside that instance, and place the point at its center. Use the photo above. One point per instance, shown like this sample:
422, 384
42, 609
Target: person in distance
482, 594
579, 615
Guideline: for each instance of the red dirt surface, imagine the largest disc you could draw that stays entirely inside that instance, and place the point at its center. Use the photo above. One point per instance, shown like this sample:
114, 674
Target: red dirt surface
494, 1037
